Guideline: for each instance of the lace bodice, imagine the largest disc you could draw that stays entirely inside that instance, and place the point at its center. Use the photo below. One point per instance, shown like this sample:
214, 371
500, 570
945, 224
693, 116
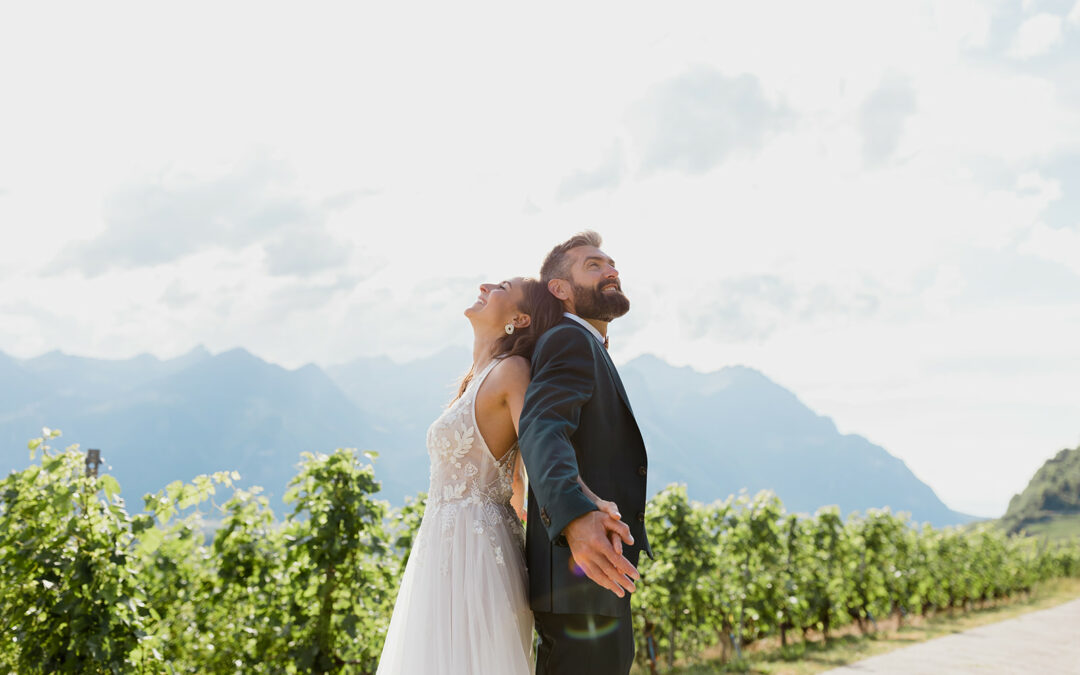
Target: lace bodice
464, 473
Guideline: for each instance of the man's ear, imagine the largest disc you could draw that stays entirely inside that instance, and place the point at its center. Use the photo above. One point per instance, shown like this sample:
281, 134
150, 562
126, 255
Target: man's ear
560, 288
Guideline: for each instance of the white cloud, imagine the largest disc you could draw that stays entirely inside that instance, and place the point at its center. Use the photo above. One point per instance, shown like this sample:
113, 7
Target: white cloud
1074, 15
797, 196
695, 120
882, 118
605, 175
1036, 36
1060, 245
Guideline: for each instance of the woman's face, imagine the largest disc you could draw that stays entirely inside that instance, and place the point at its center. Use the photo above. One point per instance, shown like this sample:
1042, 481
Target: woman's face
497, 303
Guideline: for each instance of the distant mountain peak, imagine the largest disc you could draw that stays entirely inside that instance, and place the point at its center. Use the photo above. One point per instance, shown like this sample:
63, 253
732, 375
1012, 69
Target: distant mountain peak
651, 360
198, 351
237, 354
703, 382
237, 361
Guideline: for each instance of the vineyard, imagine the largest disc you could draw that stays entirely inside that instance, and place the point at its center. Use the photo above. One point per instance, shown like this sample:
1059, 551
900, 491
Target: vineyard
201, 583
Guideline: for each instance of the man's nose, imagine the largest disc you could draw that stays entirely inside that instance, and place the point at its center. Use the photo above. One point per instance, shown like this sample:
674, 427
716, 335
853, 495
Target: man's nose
611, 272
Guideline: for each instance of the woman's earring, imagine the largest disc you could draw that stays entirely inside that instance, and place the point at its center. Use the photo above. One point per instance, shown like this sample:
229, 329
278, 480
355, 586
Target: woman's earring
509, 328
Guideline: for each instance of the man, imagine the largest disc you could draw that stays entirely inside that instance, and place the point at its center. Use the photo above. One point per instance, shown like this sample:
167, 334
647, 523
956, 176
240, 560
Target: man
577, 423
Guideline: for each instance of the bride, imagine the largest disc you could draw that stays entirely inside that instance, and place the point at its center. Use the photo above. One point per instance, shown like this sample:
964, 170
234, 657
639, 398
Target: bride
463, 604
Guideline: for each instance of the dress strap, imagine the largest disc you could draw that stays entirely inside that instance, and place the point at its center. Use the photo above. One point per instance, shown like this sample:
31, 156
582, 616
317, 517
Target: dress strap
479, 379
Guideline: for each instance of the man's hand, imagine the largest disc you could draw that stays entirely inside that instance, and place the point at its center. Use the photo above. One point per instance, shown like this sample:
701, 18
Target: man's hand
614, 532
596, 554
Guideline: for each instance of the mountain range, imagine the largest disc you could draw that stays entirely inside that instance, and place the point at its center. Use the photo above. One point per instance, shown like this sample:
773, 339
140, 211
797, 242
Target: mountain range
158, 420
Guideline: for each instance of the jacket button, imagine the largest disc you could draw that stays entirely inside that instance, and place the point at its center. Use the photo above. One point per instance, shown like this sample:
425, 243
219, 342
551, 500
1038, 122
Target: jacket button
544, 517
642, 470
641, 516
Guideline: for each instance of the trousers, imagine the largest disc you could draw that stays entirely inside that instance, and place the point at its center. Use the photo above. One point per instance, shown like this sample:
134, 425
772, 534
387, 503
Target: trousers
573, 644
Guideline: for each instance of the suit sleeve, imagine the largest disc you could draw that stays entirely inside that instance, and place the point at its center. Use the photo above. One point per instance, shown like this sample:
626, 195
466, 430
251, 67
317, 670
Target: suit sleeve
562, 383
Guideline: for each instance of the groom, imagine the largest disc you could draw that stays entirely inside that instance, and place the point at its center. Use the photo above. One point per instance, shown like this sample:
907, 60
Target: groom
577, 422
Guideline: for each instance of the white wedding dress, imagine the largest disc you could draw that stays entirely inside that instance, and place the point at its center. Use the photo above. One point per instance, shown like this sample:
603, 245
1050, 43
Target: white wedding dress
463, 606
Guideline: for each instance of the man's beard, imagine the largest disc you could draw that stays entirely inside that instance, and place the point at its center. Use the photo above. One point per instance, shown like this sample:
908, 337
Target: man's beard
593, 303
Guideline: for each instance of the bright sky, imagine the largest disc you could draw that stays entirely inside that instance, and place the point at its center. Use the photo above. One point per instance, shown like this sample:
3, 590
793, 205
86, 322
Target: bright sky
877, 205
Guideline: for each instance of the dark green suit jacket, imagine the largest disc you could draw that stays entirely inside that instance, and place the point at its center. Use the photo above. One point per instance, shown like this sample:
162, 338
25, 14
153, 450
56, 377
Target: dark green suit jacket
577, 419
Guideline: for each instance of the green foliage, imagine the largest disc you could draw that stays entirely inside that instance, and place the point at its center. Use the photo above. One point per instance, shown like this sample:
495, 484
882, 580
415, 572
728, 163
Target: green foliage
70, 596
677, 597
194, 586
342, 590
85, 587
743, 569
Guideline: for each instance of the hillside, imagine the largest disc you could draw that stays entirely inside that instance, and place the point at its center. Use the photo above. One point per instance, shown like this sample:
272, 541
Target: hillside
1050, 504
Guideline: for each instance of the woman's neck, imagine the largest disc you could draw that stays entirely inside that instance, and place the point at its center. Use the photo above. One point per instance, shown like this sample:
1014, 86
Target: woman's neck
483, 346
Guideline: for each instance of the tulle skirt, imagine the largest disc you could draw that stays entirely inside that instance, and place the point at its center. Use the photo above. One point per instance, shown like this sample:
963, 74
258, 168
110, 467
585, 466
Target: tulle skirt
463, 606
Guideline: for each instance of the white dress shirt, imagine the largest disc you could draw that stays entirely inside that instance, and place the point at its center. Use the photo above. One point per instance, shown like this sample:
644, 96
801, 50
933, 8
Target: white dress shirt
592, 329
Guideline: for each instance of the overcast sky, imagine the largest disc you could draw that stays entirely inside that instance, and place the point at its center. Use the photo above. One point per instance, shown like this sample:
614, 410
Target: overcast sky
877, 205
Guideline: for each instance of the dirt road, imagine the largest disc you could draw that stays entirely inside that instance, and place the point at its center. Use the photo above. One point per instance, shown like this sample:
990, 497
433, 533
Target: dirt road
1046, 642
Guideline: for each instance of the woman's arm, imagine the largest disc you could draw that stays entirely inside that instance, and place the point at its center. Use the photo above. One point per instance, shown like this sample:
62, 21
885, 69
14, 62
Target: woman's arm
517, 500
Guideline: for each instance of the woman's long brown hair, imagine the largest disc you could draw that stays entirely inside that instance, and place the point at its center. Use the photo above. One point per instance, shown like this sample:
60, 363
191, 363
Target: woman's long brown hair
544, 311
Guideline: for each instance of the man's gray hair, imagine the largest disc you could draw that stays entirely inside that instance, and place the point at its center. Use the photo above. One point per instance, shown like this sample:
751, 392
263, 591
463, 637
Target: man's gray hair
557, 263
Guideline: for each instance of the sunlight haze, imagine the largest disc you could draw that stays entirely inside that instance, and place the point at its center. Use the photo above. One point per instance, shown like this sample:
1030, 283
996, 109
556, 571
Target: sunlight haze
884, 220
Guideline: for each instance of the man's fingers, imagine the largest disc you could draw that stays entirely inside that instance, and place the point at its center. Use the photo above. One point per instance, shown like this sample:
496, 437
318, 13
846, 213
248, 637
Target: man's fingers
618, 568
614, 578
610, 508
616, 542
620, 528
623, 582
598, 564
598, 575
596, 542
621, 565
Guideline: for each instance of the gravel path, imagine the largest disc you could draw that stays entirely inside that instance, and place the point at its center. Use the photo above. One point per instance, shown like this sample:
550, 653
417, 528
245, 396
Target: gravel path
1046, 642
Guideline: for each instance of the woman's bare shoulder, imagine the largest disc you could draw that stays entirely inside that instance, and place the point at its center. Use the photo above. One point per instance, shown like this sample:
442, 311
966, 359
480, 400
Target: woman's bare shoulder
511, 374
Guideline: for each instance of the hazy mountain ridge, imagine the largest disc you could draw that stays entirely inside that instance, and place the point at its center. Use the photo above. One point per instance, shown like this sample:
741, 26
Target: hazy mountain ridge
159, 420
735, 428
196, 414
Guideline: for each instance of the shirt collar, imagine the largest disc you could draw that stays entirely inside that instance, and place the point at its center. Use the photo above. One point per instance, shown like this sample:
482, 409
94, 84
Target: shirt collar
589, 326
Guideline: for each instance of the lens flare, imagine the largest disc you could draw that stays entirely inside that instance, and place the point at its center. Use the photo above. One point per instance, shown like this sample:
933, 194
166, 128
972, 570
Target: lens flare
595, 627
575, 569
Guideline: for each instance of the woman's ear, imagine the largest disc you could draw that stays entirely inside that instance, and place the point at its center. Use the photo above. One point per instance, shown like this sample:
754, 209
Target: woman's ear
522, 321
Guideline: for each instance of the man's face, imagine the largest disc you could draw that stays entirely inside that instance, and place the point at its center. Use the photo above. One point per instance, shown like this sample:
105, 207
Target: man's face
597, 291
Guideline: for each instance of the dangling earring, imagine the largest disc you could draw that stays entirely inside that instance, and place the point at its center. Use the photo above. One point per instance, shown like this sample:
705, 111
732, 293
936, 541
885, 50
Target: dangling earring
509, 328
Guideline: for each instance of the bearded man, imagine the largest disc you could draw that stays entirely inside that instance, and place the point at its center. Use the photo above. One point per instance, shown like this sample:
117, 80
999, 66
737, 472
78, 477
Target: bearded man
577, 429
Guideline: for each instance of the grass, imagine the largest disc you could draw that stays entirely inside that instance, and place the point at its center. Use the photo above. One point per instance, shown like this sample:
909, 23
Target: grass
1058, 528
844, 647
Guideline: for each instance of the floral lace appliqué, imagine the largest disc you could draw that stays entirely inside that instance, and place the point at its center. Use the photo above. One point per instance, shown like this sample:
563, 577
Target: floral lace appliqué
469, 487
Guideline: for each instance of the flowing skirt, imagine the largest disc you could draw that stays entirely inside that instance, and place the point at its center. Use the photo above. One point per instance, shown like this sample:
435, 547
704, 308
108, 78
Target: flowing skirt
463, 606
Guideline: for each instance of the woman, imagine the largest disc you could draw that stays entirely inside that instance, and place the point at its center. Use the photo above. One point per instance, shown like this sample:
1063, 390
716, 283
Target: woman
463, 605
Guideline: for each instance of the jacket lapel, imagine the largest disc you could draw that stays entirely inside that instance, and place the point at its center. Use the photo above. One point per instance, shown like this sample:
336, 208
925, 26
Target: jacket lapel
612, 371
618, 381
